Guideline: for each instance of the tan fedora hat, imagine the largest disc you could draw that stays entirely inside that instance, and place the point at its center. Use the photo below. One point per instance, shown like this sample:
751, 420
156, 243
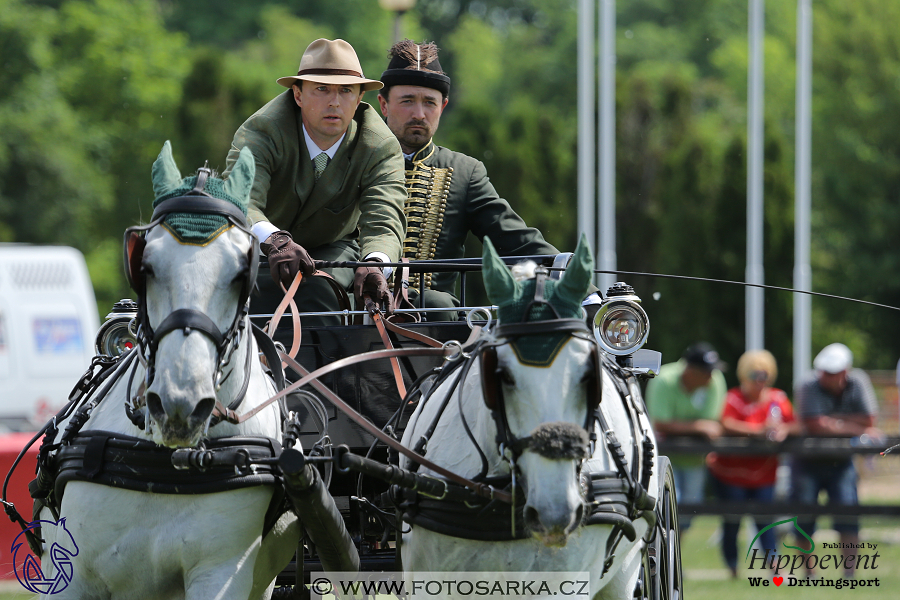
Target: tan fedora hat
331, 61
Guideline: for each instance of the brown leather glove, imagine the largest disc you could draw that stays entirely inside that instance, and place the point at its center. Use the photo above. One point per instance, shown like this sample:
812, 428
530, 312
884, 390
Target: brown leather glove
286, 258
370, 281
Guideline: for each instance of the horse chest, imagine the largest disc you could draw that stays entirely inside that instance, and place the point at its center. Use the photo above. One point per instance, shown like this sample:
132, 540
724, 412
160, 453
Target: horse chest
174, 536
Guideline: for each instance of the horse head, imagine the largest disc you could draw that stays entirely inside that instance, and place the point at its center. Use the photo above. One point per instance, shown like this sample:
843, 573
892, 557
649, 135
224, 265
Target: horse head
541, 384
193, 274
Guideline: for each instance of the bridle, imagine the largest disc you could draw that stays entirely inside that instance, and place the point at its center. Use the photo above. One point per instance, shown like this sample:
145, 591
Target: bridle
492, 387
189, 319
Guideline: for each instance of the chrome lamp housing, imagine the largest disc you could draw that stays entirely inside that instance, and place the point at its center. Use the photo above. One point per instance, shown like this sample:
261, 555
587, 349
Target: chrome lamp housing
620, 325
117, 335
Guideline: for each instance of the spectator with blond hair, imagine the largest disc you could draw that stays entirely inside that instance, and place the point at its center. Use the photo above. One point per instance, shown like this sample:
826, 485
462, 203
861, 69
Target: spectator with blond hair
753, 409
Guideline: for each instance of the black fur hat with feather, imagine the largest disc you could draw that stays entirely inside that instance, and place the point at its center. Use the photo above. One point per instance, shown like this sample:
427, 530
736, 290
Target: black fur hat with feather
415, 64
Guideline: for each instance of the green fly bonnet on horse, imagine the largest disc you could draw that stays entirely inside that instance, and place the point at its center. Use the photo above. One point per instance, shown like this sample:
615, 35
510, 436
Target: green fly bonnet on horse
200, 229
513, 298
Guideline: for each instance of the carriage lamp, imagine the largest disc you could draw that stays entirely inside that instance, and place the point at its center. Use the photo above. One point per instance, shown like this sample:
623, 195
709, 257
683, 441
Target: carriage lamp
621, 326
117, 335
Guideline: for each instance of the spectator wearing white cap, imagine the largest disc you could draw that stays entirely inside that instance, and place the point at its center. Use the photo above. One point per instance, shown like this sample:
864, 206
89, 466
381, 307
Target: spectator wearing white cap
835, 400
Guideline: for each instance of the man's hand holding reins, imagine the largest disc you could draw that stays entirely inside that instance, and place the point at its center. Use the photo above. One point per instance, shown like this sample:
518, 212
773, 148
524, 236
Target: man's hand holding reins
286, 258
370, 281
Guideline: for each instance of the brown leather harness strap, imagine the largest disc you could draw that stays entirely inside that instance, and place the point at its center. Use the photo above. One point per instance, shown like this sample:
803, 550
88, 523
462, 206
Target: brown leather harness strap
412, 334
401, 296
386, 339
483, 490
288, 300
233, 417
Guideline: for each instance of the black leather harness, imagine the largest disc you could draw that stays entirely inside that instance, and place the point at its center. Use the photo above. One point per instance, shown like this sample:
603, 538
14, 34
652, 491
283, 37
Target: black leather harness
616, 497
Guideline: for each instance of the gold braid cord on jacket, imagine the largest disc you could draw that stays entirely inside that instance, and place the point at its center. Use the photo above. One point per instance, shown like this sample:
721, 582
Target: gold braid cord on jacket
427, 189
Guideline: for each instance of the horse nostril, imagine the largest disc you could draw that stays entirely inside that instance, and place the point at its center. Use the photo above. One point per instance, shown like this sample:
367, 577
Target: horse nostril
202, 411
532, 520
154, 405
579, 515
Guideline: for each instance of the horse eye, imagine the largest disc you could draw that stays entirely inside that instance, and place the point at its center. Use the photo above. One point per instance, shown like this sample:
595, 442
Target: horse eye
147, 270
506, 377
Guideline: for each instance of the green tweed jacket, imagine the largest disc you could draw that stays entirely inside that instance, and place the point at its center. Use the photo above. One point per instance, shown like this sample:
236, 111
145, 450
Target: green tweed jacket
362, 187
449, 195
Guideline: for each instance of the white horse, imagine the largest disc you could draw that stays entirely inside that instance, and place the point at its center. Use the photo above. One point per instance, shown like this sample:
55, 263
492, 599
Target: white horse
543, 386
134, 544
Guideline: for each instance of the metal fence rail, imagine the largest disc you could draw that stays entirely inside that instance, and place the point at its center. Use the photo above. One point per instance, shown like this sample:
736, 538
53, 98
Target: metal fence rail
809, 447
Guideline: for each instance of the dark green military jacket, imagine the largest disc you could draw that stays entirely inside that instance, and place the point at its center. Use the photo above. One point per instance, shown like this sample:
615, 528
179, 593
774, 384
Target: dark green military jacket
449, 194
362, 186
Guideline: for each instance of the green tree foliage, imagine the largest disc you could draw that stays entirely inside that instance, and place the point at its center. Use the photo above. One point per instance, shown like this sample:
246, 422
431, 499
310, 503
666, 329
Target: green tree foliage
87, 98
89, 90
857, 167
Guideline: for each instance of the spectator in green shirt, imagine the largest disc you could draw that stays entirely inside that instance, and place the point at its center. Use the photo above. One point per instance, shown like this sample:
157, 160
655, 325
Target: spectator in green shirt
687, 398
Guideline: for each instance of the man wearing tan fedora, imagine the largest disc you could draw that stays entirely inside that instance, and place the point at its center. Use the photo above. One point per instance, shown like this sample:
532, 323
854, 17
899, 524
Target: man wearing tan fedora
329, 180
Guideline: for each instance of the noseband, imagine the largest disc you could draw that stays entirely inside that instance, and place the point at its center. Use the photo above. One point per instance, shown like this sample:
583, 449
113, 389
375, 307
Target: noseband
189, 319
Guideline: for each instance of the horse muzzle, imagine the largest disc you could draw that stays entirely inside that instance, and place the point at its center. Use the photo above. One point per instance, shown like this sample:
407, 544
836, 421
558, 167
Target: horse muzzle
553, 527
179, 421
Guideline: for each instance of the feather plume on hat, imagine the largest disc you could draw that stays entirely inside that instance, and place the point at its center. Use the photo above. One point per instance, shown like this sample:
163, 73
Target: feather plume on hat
419, 56
415, 64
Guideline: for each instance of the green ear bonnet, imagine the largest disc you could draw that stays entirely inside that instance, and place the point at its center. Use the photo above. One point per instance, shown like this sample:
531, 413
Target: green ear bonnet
562, 300
200, 229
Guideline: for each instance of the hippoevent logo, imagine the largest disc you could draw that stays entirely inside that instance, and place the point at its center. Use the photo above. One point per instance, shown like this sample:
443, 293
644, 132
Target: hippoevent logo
60, 552
779, 569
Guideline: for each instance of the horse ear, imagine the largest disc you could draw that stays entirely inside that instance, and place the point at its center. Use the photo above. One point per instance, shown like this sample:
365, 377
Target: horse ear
576, 281
240, 180
165, 174
498, 281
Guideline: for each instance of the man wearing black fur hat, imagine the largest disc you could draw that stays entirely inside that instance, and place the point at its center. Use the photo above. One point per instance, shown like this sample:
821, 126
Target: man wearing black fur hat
449, 193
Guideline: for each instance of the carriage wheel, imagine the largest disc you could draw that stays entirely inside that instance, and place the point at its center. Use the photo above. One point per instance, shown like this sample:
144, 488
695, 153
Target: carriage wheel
660, 577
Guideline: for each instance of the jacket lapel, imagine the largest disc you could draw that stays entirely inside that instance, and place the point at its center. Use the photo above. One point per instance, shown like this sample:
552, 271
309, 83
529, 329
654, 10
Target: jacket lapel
306, 176
332, 178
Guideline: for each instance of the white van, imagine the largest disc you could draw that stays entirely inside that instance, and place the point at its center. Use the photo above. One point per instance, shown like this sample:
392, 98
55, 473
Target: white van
48, 321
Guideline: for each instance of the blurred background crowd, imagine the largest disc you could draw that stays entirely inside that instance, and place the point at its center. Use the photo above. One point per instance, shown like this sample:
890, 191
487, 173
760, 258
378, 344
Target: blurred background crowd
834, 400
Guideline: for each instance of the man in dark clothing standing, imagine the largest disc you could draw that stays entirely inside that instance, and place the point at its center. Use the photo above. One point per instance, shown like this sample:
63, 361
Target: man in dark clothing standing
834, 401
449, 193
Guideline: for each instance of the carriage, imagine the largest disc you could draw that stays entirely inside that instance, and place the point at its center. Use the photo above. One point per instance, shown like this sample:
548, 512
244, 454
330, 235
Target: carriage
377, 491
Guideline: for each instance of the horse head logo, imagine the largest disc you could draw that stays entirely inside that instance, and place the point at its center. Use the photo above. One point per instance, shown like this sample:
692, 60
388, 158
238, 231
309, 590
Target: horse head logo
60, 552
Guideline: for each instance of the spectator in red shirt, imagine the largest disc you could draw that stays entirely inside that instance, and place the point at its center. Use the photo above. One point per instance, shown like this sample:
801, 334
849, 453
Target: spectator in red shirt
753, 409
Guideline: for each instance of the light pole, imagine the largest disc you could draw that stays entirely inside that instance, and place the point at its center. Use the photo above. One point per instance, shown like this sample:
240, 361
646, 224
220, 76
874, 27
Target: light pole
398, 7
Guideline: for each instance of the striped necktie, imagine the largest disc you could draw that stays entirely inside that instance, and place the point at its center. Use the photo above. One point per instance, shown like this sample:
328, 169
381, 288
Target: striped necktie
320, 162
